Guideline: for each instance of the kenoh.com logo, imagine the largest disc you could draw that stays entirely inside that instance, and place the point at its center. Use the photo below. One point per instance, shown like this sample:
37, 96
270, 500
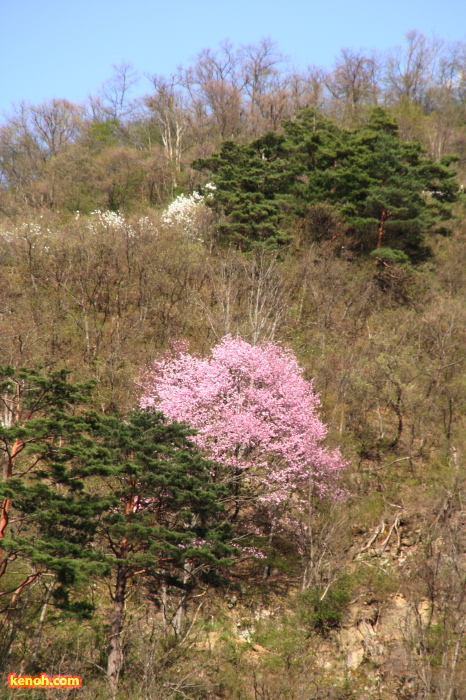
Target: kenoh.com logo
43, 681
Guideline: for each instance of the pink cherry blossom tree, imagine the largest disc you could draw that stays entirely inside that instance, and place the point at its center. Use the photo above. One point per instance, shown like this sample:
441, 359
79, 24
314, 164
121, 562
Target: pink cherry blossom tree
254, 412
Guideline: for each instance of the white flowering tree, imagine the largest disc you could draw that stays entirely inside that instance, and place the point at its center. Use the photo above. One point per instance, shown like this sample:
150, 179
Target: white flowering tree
115, 221
190, 214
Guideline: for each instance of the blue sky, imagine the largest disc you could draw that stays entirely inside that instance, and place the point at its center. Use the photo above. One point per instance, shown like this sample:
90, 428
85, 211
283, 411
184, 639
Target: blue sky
66, 48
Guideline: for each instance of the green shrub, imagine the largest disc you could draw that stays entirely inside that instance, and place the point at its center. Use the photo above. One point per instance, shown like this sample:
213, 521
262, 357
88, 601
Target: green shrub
323, 611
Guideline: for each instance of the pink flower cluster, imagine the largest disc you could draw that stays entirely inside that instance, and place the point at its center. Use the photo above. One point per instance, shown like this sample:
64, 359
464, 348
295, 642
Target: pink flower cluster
253, 411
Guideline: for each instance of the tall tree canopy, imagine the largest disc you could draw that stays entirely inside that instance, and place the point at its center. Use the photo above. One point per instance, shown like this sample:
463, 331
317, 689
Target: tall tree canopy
389, 193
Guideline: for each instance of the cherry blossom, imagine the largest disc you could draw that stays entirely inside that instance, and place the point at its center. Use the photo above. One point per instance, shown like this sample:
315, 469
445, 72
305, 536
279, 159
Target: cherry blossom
253, 411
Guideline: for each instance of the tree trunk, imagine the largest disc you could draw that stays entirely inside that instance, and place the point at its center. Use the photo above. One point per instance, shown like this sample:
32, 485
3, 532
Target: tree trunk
14, 629
178, 618
115, 651
41, 624
7, 474
381, 228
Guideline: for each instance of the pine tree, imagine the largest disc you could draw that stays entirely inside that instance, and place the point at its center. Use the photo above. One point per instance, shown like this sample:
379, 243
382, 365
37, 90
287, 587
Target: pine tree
250, 183
388, 191
99, 496
165, 519
35, 408
37, 414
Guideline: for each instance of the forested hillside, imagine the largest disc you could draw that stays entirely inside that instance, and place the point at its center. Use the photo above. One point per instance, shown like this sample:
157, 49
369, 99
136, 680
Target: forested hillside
278, 260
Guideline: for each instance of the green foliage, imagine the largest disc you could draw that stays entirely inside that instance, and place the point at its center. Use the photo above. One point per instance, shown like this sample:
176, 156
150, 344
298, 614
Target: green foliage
162, 504
374, 579
389, 193
250, 182
89, 492
383, 340
322, 611
377, 181
103, 133
390, 256
28, 393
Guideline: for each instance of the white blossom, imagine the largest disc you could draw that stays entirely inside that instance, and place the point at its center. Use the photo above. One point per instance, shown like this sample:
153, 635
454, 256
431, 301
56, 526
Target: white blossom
186, 210
115, 221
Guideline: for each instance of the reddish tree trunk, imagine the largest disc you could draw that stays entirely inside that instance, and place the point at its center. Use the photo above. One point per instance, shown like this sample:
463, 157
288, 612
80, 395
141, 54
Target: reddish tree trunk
4, 518
381, 228
7, 501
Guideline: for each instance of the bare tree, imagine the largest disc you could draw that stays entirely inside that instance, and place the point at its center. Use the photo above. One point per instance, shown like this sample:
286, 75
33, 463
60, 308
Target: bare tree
354, 80
168, 110
259, 66
21, 156
55, 124
246, 297
410, 72
215, 83
262, 78
30, 137
306, 89
435, 627
452, 71
112, 100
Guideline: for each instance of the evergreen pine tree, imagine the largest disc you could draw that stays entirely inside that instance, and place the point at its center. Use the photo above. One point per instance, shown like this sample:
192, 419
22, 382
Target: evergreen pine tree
165, 518
35, 408
388, 191
250, 181
96, 496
